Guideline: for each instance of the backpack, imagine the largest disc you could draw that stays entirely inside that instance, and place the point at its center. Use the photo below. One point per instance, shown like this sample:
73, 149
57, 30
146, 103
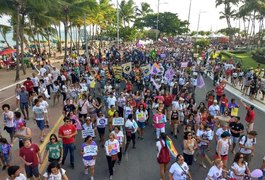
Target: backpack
164, 155
253, 141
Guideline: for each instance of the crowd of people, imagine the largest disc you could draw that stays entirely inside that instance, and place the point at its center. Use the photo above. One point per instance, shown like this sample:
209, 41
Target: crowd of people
156, 89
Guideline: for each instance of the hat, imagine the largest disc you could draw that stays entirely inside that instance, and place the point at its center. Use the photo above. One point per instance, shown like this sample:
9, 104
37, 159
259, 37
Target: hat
23, 87
12, 170
20, 125
215, 101
225, 134
253, 133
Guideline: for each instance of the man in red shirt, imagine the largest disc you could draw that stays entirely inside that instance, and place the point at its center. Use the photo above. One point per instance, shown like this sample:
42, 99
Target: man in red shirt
29, 87
68, 132
250, 116
31, 156
219, 90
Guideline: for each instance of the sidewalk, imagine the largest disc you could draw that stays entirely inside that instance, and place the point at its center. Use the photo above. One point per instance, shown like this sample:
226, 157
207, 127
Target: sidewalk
257, 102
54, 113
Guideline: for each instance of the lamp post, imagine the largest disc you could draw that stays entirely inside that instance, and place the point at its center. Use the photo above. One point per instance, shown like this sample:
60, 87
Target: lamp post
189, 14
199, 19
157, 18
118, 29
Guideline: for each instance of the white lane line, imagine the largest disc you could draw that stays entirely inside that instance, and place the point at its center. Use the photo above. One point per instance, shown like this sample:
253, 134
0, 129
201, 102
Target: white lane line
7, 87
7, 99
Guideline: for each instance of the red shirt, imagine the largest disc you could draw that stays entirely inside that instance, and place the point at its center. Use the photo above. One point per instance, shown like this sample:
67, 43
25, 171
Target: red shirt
219, 90
128, 87
224, 102
65, 130
141, 103
30, 154
28, 85
250, 115
168, 100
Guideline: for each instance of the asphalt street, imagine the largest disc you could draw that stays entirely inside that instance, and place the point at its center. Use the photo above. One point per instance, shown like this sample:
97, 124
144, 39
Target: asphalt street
140, 163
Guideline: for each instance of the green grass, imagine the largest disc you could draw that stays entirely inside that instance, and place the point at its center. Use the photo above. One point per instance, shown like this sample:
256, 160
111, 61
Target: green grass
246, 60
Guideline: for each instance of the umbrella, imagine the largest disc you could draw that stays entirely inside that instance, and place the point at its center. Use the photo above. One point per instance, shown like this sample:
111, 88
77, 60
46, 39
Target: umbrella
7, 51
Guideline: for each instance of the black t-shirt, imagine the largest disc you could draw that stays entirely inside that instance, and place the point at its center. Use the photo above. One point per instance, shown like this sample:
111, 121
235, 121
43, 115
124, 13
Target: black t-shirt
69, 108
237, 127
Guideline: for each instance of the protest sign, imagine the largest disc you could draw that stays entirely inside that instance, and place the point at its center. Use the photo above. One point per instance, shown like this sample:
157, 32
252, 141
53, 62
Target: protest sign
90, 150
118, 121
127, 68
117, 70
87, 132
146, 70
234, 112
184, 64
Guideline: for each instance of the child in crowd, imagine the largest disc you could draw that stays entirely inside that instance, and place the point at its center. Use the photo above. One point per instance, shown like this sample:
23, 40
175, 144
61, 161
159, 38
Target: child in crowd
6, 152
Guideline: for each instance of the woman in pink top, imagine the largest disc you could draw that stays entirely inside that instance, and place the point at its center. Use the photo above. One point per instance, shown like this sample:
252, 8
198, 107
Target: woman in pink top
159, 120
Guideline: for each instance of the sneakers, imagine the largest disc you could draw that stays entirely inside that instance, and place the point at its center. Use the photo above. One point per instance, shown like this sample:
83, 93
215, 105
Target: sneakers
110, 177
72, 166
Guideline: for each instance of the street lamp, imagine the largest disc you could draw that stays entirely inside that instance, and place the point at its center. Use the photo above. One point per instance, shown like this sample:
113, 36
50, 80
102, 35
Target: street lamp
157, 18
199, 19
118, 29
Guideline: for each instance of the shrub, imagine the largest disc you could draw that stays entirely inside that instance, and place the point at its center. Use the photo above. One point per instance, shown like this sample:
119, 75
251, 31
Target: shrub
259, 55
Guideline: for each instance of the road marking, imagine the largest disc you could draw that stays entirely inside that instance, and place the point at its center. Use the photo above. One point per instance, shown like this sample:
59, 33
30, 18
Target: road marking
7, 87
7, 99
44, 143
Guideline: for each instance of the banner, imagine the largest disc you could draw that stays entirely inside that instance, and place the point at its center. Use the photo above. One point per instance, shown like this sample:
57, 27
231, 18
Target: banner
184, 64
90, 150
118, 121
234, 112
200, 82
117, 70
155, 69
156, 82
162, 55
146, 70
169, 74
87, 132
127, 68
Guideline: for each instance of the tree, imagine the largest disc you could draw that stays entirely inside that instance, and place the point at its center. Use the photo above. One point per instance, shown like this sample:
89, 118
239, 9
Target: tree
3, 31
128, 34
144, 9
126, 11
228, 12
169, 23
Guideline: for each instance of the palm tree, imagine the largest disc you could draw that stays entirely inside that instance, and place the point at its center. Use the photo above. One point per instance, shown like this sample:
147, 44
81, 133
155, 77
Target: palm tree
127, 10
143, 10
228, 12
3, 31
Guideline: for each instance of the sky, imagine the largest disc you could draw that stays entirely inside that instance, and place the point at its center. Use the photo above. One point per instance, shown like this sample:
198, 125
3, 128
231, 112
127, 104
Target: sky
209, 18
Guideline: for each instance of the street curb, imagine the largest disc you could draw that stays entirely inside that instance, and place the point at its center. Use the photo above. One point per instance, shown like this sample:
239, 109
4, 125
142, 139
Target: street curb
46, 140
242, 97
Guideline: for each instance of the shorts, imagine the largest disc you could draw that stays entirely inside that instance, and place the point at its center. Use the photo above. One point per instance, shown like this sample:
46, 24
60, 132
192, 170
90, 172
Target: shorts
202, 150
32, 171
10, 130
141, 124
223, 157
24, 105
40, 124
234, 139
30, 93
101, 131
250, 126
91, 162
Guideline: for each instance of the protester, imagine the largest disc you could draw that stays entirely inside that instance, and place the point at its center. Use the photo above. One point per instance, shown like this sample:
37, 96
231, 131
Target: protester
131, 129
120, 137
189, 147
68, 132
250, 116
8, 118
240, 169
236, 129
54, 149
54, 171
179, 170
14, 173
215, 171
247, 145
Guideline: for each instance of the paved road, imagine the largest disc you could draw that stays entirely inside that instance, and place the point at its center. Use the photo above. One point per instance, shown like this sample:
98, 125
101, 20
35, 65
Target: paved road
141, 162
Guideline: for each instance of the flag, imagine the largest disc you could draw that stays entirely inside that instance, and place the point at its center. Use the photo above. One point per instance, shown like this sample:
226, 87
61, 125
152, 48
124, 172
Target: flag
156, 82
127, 68
169, 75
200, 82
146, 70
171, 147
153, 54
155, 69
184, 64
117, 70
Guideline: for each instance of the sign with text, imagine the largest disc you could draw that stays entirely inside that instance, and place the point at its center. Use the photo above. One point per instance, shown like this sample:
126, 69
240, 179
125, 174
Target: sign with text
87, 132
118, 121
90, 150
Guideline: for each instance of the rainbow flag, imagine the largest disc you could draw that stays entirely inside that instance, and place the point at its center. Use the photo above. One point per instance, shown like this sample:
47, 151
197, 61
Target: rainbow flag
171, 147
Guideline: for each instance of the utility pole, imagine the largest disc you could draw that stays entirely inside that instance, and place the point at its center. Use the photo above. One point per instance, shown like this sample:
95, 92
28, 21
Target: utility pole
118, 29
189, 14
157, 20
85, 39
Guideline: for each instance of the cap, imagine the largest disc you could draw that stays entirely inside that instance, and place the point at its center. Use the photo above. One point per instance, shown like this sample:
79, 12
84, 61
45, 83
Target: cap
181, 99
12, 170
20, 125
225, 134
253, 133
215, 101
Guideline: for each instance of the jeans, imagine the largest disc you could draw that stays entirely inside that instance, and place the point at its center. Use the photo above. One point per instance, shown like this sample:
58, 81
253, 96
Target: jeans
159, 131
260, 178
71, 148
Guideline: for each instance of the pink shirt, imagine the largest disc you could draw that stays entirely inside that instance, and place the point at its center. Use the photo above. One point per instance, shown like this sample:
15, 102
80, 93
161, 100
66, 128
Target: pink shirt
159, 120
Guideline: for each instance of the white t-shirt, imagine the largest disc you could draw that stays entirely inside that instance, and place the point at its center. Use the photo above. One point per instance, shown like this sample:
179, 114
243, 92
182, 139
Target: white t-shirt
214, 109
220, 131
240, 170
20, 177
127, 110
249, 143
141, 116
111, 101
112, 147
42, 71
131, 125
45, 106
202, 135
35, 81
214, 173
178, 172
119, 136
55, 176
8, 123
